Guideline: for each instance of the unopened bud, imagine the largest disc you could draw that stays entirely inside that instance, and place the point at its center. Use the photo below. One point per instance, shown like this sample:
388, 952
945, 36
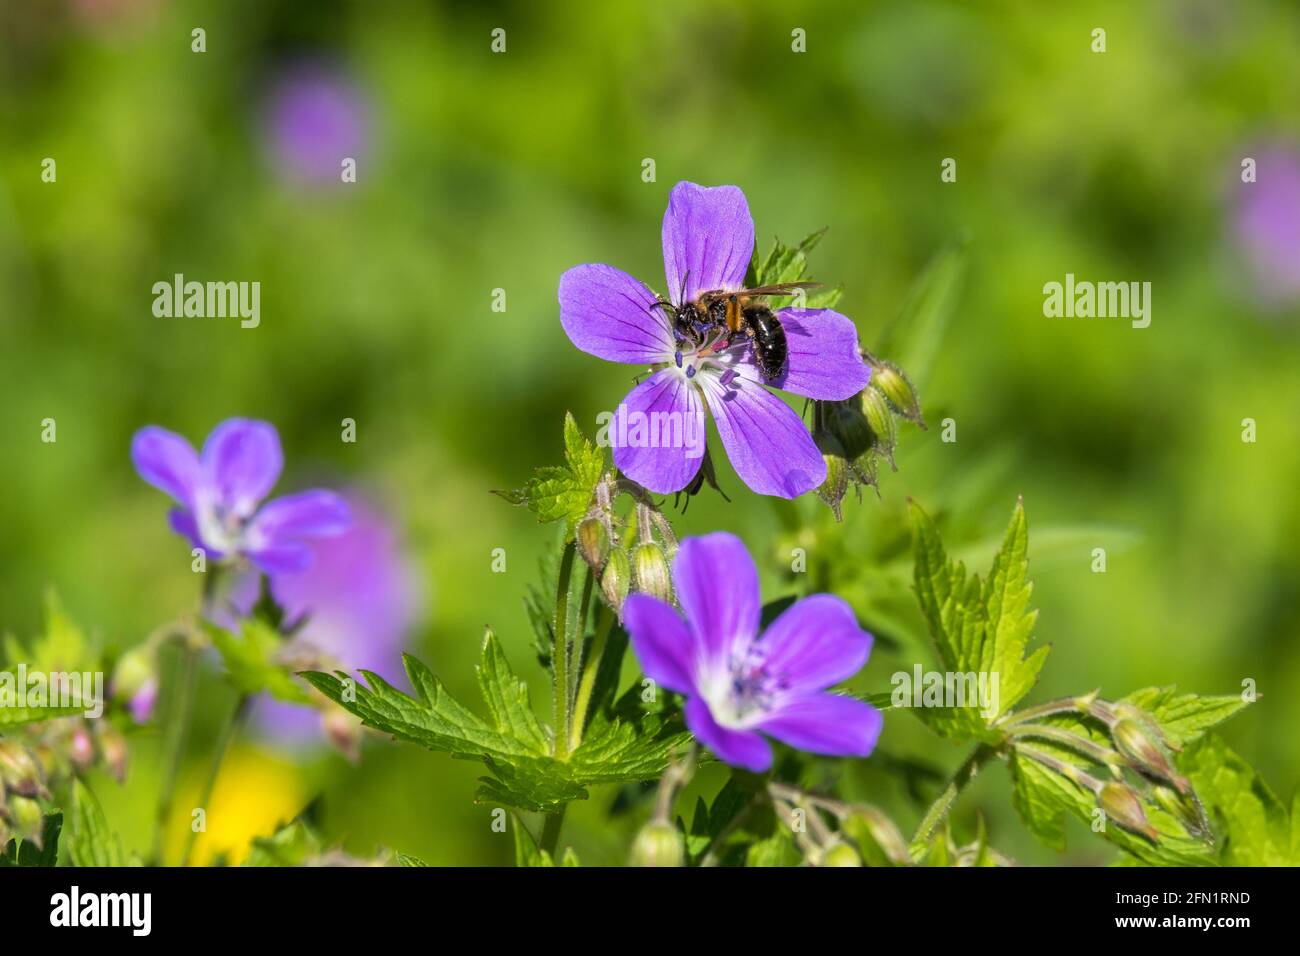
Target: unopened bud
1144, 753
652, 575
848, 423
882, 421
1122, 805
143, 701
890, 381
19, 770
840, 853
1186, 810
27, 820
658, 844
593, 542
343, 731
112, 748
135, 669
836, 485
81, 748
616, 579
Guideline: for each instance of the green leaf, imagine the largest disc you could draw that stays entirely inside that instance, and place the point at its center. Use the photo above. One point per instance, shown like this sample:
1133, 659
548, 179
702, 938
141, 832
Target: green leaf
1185, 717
1255, 827
527, 852
565, 491
252, 663
62, 648
26, 853
620, 745
291, 845
507, 697
913, 338
406, 859
980, 628
790, 264
92, 842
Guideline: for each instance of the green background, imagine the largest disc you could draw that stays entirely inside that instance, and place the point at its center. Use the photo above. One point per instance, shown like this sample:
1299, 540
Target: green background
489, 171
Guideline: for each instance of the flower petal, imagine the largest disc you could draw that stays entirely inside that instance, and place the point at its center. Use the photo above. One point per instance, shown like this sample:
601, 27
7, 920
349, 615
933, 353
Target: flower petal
708, 239
717, 585
242, 458
826, 724
664, 451
815, 643
184, 523
662, 642
307, 514
824, 362
609, 314
740, 748
286, 557
168, 462
766, 441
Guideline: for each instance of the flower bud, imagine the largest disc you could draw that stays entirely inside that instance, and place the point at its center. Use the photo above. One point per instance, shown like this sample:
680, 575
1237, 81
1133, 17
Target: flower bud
840, 853
112, 748
81, 748
135, 670
836, 485
890, 381
1122, 805
658, 844
27, 820
652, 575
593, 542
1187, 811
847, 422
1144, 753
143, 701
343, 731
19, 771
880, 417
616, 579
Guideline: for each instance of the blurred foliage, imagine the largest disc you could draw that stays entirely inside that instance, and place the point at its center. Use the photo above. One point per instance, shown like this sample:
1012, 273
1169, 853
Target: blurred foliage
481, 172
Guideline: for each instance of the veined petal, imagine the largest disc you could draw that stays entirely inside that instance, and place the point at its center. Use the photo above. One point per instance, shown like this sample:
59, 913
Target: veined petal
168, 462
307, 514
658, 433
717, 585
826, 724
766, 441
740, 748
242, 459
183, 522
708, 239
662, 642
824, 362
609, 314
815, 643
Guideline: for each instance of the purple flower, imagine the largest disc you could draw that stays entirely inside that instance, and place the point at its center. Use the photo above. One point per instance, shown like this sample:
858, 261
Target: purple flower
708, 240
218, 494
314, 119
1267, 223
738, 682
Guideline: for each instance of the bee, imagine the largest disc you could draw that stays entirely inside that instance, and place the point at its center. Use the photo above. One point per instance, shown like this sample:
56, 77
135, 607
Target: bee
723, 315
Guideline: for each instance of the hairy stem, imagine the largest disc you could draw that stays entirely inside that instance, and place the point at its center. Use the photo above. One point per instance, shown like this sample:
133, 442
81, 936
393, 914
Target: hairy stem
1089, 748
560, 653
550, 841
591, 668
943, 803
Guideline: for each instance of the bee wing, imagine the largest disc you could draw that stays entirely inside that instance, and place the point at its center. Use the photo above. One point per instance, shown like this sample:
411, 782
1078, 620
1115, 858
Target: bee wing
780, 288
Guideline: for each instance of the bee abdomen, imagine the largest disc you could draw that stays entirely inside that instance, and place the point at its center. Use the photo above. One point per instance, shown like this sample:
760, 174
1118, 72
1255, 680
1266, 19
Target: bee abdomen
770, 349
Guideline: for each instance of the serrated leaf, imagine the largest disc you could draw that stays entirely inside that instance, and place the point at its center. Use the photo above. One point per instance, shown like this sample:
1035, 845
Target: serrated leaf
26, 853
527, 852
563, 492
1255, 827
92, 842
291, 845
615, 749
251, 662
507, 697
978, 627
1185, 717
406, 859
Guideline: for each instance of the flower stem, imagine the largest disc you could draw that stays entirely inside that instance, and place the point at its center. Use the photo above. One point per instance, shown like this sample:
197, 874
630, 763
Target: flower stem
943, 803
177, 735
560, 655
227, 733
550, 841
591, 669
